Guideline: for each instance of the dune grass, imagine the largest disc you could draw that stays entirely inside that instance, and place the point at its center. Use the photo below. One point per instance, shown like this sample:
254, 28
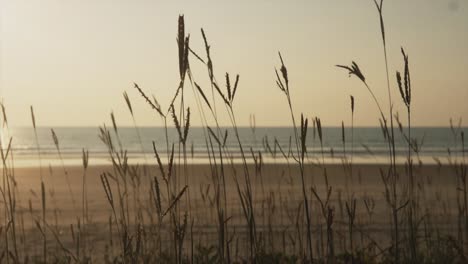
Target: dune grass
155, 214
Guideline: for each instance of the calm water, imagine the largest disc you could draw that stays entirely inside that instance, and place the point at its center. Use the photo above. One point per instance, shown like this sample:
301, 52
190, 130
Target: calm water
369, 145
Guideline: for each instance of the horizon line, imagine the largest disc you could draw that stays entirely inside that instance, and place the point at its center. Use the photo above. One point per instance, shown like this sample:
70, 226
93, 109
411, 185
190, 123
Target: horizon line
256, 127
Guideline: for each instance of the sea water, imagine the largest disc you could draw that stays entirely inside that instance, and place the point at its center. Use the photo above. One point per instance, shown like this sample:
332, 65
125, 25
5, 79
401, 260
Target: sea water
362, 144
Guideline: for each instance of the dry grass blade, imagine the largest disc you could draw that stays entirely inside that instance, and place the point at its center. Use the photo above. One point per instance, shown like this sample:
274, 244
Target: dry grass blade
284, 72
187, 125
105, 137
129, 104
318, 123
203, 95
176, 123
155, 101
171, 163
179, 88
405, 89
54, 138
153, 105
304, 125
85, 158
160, 165
157, 192
173, 203
400, 86
342, 133
279, 82
235, 86
383, 128
209, 63
197, 56
228, 86
407, 77
181, 46
43, 194
214, 135
354, 70
38, 226
382, 28
186, 53
114, 123
225, 137
351, 209
221, 94
33, 118
5, 120
107, 189
5, 154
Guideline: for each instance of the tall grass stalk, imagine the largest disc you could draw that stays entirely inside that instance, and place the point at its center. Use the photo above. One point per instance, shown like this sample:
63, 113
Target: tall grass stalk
405, 92
65, 172
44, 233
283, 85
391, 177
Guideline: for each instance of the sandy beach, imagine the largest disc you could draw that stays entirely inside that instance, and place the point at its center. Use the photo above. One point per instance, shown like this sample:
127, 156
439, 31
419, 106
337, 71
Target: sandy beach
277, 197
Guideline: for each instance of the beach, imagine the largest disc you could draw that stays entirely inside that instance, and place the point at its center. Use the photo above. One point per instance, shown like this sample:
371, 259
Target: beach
276, 192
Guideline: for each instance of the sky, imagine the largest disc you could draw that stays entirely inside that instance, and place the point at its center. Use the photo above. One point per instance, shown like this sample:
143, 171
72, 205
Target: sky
73, 59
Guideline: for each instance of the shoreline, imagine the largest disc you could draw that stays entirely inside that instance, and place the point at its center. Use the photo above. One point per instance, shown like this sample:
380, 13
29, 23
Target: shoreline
103, 160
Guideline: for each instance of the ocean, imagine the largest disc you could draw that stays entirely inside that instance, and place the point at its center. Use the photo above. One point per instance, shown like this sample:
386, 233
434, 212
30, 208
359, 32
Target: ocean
363, 144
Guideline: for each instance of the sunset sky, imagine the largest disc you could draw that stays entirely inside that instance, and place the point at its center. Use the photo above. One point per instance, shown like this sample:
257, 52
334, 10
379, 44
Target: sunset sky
73, 59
